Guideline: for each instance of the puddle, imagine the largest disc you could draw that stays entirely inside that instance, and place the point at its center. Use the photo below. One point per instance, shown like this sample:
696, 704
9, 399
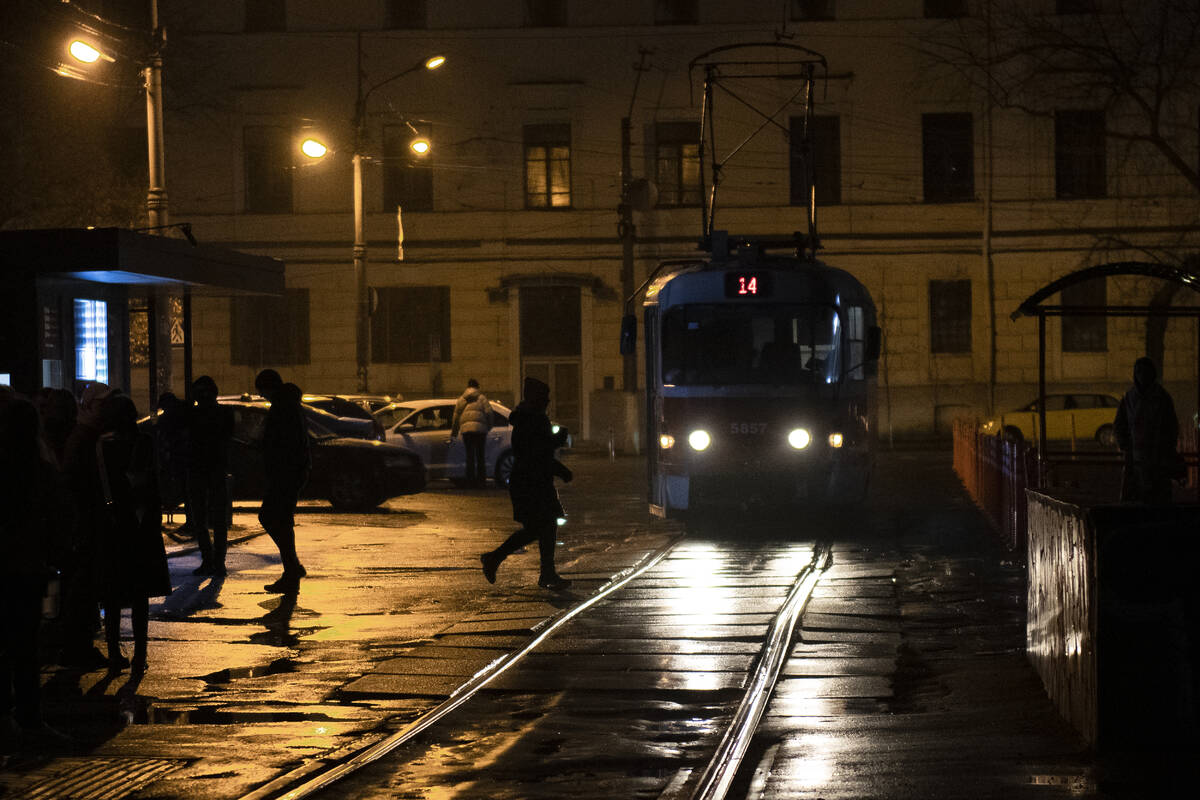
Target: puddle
212, 715
277, 667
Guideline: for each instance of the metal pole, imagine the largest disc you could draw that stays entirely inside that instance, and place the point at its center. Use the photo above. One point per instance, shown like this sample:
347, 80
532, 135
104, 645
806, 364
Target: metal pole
360, 280
156, 197
361, 320
628, 232
1041, 444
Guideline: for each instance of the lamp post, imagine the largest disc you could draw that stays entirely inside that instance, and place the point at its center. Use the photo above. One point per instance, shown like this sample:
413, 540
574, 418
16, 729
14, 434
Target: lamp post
315, 149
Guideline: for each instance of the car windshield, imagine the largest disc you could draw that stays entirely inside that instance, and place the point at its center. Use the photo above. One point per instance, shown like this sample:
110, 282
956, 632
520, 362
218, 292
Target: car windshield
319, 431
387, 417
750, 344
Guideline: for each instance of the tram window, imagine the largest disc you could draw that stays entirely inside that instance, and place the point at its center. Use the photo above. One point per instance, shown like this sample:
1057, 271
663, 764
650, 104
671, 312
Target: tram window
750, 344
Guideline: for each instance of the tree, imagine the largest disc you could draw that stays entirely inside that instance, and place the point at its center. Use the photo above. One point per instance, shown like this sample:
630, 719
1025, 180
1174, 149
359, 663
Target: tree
1138, 61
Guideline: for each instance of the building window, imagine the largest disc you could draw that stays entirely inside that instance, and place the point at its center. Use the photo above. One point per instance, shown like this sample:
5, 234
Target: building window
550, 321
826, 160
676, 12
268, 169
950, 316
1085, 334
411, 325
677, 163
945, 9
1079, 154
91, 340
548, 166
813, 9
407, 177
545, 13
270, 330
264, 16
405, 15
947, 157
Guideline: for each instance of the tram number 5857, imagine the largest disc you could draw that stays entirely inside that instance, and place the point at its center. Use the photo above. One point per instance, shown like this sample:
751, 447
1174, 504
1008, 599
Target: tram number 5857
747, 428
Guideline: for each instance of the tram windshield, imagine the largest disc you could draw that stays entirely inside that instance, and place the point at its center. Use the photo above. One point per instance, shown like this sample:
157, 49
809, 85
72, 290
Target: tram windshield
776, 344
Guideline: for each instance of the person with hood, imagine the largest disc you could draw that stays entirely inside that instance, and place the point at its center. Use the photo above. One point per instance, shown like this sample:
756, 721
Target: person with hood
531, 486
286, 464
131, 559
473, 418
210, 429
1147, 429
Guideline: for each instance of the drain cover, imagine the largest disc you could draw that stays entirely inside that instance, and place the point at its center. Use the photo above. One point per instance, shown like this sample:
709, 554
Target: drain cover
93, 778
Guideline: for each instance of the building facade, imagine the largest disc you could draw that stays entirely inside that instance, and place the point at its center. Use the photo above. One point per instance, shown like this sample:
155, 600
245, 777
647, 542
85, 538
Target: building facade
498, 254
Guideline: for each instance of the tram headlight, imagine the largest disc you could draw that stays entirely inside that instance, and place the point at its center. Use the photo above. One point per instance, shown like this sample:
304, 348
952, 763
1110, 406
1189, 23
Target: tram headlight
699, 440
835, 440
666, 441
799, 438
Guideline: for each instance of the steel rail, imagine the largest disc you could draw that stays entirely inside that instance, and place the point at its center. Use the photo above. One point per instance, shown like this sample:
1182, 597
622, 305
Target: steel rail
723, 766
462, 694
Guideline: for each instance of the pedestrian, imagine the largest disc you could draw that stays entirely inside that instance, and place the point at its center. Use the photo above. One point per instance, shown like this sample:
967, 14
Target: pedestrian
57, 412
210, 429
531, 485
473, 418
1147, 429
132, 560
79, 617
172, 450
286, 463
27, 485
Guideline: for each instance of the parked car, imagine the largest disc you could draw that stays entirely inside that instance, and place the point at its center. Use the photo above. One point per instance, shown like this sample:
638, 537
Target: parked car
424, 426
352, 474
354, 426
371, 402
1079, 414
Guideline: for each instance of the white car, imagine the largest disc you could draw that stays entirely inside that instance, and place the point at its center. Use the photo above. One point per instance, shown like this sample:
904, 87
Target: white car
424, 426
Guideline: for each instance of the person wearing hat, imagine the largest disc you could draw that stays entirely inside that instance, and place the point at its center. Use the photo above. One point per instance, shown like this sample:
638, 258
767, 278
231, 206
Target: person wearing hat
210, 429
531, 486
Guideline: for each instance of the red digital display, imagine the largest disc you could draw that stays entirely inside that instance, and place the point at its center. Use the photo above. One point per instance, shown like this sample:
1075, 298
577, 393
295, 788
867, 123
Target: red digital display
747, 285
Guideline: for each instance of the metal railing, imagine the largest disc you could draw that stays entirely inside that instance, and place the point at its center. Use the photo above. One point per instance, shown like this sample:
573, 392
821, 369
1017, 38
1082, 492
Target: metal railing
996, 474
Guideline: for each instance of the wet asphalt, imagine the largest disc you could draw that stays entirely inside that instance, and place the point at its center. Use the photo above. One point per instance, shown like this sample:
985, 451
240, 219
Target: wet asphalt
908, 678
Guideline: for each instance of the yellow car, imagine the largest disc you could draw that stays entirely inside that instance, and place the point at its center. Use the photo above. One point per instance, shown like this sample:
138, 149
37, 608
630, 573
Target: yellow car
1075, 415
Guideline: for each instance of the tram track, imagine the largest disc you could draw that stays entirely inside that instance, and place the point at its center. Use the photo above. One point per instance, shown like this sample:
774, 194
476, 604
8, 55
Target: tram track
640, 606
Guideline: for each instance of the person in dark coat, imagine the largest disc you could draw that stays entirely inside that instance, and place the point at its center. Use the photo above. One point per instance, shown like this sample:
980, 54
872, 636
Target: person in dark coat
80, 605
286, 464
531, 486
210, 429
172, 447
1146, 429
131, 557
27, 487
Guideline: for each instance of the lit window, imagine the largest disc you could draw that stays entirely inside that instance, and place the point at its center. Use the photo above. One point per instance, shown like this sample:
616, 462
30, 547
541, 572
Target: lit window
91, 340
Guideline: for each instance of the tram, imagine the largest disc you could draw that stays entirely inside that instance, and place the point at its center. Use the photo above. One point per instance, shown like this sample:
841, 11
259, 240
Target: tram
760, 376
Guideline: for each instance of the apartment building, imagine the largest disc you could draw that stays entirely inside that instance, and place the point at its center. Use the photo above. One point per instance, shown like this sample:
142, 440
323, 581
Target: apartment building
497, 254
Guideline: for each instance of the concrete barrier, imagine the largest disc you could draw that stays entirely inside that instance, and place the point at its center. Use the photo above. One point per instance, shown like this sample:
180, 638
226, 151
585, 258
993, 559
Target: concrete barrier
1113, 613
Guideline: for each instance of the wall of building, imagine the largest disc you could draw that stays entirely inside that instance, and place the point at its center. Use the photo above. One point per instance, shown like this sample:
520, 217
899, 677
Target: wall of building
501, 76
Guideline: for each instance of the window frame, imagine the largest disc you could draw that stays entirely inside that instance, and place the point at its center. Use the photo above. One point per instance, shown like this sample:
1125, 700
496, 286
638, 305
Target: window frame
264, 193
1079, 334
813, 10
546, 138
256, 319
670, 139
950, 331
827, 148
940, 149
412, 346
1080, 154
406, 175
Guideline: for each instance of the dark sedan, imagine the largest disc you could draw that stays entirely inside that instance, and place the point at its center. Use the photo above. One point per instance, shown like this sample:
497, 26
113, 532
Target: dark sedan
352, 474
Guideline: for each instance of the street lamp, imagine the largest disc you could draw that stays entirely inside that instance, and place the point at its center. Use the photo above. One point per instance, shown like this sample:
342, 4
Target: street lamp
314, 148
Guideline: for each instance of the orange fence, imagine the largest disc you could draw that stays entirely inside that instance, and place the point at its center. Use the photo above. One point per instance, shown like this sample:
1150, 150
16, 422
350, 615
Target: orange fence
996, 474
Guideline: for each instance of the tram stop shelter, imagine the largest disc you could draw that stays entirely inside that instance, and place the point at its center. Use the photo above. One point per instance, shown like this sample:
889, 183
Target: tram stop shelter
65, 302
1035, 306
1113, 612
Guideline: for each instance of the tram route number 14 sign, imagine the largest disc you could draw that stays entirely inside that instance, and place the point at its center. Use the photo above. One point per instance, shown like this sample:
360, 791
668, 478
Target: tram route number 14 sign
747, 285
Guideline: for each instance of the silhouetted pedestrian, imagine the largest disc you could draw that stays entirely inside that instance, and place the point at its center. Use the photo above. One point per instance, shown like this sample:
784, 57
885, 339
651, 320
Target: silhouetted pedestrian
57, 412
286, 463
132, 560
531, 486
1147, 429
473, 418
172, 449
80, 604
27, 486
210, 428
